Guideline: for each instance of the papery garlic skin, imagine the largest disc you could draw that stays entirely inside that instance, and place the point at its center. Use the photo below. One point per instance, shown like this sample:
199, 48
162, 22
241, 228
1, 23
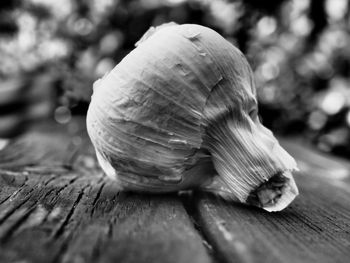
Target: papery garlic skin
179, 103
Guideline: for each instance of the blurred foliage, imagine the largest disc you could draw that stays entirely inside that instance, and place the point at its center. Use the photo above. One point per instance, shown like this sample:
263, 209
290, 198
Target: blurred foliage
299, 51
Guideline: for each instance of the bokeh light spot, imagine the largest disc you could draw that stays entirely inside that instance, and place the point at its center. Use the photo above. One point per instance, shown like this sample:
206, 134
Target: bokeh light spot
266, 26
301, 26
62, 114
333, 102
269, 71
111, 42
267, 94
317, 120
82, 26
336, 9
3, 143
103, 66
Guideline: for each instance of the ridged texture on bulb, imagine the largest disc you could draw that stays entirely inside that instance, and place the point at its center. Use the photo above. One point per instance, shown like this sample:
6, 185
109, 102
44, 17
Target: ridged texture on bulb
146, 115
244, 162
176, 113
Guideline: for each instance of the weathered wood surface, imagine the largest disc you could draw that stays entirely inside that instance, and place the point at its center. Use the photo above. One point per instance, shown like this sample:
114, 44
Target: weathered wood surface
315, 228
56, 206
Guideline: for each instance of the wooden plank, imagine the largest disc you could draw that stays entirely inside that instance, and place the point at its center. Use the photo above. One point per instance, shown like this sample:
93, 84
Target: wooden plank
316, 163
54, 210
315, 228
56, 206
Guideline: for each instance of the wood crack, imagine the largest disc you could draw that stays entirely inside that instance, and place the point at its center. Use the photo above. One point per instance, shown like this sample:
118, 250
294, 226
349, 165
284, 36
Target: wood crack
5, 199
96, 198
15, 207
18, 191
60, 230
189, 203
62, 249
9, 231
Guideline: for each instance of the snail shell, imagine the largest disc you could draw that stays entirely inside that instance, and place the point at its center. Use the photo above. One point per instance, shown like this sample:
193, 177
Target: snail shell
180, 112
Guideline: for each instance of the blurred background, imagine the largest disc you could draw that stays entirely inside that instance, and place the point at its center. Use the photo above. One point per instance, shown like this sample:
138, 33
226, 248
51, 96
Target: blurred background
52, 51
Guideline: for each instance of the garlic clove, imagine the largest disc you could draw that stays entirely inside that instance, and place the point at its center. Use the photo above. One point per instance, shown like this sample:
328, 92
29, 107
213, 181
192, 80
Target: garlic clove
175, 108
146, 115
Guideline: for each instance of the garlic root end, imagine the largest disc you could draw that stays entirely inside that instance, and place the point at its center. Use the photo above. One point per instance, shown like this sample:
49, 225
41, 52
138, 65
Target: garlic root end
275, 194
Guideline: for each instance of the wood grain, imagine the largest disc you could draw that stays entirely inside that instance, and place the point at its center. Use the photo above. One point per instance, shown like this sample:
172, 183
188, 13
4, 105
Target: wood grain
315, 228
55, 207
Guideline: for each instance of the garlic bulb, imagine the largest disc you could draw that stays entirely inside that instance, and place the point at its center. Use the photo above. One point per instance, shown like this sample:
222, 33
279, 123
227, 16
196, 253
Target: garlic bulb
180, 112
